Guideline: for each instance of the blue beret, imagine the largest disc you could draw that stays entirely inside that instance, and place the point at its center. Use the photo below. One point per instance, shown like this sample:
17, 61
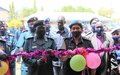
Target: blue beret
75, 22
47, 20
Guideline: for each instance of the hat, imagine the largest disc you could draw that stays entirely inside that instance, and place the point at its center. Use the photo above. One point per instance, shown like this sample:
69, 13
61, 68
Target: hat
75, 23
32, 19
93, 20
47, 20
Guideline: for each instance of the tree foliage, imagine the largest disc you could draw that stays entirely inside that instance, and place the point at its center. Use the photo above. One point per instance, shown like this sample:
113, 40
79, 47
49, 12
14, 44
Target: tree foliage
83, 9
12, 11
105, 12
68, 9
14, 23
34, 7
28, 11
75, 9
42, 8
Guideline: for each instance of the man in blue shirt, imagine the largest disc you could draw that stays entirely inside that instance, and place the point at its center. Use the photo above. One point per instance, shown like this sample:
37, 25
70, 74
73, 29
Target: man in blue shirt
58, 33
23, 36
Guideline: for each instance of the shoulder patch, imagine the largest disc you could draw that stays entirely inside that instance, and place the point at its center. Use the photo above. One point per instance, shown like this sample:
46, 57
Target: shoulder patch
68, 38
30, 38
50, 38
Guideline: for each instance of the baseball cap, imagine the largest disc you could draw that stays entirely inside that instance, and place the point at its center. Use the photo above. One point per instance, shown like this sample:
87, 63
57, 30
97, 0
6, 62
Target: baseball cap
32, 19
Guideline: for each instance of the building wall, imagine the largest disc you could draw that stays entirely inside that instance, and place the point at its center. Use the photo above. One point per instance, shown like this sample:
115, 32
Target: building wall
4, 16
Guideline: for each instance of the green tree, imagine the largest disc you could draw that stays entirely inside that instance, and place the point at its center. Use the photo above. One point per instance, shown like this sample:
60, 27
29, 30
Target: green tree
105, 12
34, 7
75, 9
14, 23
68, 9
83, 9
12, 11
42, 8
28, 11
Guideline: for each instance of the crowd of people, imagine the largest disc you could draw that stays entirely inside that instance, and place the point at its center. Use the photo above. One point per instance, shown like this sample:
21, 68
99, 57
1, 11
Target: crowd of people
41, 34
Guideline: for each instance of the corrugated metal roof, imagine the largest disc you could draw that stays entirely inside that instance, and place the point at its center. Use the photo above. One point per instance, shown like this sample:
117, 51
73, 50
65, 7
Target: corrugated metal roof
2, 9
68, 16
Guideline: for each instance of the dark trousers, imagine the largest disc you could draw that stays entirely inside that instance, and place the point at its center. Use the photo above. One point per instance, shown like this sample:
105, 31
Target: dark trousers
12, 67
57, 70
12, 71
57, 67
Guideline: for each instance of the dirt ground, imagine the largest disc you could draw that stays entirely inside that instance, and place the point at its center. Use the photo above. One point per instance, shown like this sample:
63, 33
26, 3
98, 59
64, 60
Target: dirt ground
18, 65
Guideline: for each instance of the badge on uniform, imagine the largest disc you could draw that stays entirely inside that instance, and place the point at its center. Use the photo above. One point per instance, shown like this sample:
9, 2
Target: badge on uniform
34, 46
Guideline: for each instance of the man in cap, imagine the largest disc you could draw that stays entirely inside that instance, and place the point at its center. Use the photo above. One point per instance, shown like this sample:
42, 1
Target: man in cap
27, 33
23, 36
47, 26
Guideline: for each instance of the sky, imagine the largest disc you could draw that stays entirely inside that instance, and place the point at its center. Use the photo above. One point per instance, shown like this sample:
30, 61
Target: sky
52, 5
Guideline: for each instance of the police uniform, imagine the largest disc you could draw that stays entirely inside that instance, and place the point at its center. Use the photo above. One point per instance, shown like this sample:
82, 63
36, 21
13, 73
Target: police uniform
21, 41
71, 45
34, 68
4, 45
